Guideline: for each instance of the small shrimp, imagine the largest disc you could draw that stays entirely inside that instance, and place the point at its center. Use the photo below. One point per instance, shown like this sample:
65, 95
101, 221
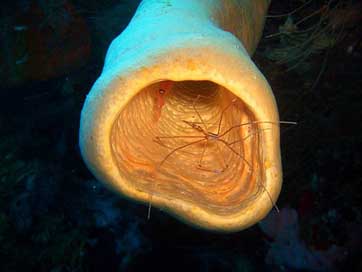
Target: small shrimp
161, 93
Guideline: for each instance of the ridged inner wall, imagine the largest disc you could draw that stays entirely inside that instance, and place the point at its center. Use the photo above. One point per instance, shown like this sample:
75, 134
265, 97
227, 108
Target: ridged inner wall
190, 140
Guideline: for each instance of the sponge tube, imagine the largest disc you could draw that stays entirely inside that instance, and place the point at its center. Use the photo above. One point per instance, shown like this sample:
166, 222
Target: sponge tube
205, 148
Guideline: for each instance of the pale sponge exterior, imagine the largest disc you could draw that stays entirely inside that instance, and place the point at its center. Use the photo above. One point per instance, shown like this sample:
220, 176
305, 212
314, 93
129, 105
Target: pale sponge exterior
232, 177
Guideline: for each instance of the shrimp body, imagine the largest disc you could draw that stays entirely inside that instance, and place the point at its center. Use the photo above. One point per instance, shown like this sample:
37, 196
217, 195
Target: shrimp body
161, 93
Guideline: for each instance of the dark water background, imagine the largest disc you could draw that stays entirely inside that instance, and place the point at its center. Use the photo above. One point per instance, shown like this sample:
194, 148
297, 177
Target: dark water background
54, 216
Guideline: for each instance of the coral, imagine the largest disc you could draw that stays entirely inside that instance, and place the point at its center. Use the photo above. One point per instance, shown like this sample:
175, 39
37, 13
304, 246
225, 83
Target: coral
288, 250
306, 32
